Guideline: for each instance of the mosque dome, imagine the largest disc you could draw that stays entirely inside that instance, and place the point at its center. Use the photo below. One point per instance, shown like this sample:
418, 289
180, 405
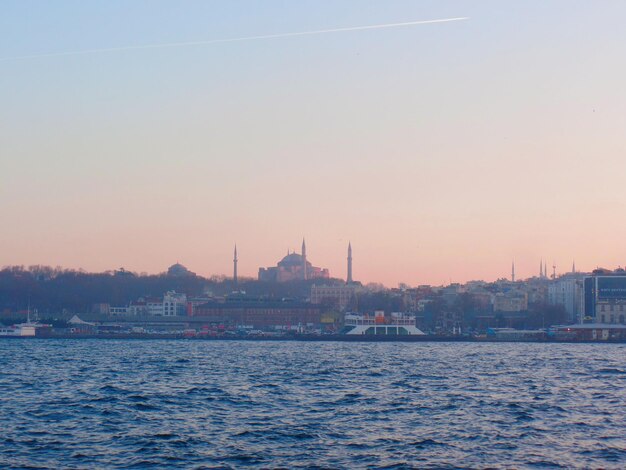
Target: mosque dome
178, 270
292, 259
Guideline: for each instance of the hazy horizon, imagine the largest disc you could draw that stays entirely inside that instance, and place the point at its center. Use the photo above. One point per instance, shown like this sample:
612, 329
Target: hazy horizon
443, 152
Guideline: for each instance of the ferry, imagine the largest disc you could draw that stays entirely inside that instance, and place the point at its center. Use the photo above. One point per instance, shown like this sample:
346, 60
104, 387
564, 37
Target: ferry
397, 324
22, 330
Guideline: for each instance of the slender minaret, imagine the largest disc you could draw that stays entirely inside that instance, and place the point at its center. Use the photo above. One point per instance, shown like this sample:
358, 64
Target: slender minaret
540, 268
574, 266
513, 271
349, 278
304, 270
235, 267
553, 270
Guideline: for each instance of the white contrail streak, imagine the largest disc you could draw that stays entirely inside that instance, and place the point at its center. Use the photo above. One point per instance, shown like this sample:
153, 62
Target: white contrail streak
246, 38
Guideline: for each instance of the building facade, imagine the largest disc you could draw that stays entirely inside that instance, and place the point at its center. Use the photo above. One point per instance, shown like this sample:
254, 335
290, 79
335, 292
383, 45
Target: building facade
511, 301
260, 313
568, 292
605, 296
339, 296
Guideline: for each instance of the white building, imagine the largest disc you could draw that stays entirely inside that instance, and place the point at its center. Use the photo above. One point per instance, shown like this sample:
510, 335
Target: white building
154, 307
174, 304
568, 292
119, 311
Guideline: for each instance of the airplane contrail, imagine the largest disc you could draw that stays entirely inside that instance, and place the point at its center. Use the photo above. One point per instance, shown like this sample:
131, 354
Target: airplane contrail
245, 38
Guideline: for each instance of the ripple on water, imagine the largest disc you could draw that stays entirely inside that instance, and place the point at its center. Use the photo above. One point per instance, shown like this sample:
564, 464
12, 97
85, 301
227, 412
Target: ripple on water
155, 404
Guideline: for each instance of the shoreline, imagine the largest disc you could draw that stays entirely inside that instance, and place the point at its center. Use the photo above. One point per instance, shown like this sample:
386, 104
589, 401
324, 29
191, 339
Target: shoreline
326, 338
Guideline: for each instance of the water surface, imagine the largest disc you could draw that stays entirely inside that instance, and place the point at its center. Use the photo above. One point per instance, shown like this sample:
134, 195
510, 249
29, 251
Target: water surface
207, 404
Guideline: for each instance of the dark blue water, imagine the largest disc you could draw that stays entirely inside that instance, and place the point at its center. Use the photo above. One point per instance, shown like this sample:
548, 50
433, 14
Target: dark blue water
193, 404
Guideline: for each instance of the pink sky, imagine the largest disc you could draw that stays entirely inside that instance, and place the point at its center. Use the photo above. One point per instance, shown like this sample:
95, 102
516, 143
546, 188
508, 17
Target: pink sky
442, 152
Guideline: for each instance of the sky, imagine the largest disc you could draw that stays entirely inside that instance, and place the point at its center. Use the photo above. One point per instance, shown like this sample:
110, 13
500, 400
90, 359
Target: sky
441, 151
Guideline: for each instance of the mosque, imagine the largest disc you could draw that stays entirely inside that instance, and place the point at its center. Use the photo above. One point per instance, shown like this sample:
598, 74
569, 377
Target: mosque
293, 267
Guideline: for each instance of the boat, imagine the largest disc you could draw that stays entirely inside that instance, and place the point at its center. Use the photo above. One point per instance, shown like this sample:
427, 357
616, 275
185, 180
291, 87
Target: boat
27, 329
21, 330
396, 324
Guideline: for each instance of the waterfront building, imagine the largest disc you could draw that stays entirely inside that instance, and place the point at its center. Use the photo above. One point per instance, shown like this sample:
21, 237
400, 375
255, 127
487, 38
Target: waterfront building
138, 307
119, 311
293, 267
591, 332
605, 296
174, 304
154, 307
240, 310
194, 302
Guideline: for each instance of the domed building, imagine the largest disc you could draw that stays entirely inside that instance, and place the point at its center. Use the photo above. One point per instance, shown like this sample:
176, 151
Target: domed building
293, 267
178, 270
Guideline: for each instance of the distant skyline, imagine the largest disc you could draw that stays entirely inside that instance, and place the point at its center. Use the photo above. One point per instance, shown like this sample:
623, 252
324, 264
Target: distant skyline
548, 269
441, 151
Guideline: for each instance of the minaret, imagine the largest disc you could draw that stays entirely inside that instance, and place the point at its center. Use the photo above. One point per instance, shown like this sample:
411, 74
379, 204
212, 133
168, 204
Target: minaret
574, 266
513, 271
304, 273
349, 278
540, 269
553, 270
235, 280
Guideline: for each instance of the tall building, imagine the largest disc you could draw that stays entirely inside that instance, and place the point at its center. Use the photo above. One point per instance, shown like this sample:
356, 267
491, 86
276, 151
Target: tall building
235, 280
349, 276
605, 296
304, 265
567, 291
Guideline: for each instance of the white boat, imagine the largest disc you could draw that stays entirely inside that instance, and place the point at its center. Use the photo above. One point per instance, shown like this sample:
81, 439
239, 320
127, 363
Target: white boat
22, 329
397, 324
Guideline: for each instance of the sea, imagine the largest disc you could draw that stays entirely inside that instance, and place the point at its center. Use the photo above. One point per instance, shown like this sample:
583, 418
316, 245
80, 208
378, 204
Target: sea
285, 404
